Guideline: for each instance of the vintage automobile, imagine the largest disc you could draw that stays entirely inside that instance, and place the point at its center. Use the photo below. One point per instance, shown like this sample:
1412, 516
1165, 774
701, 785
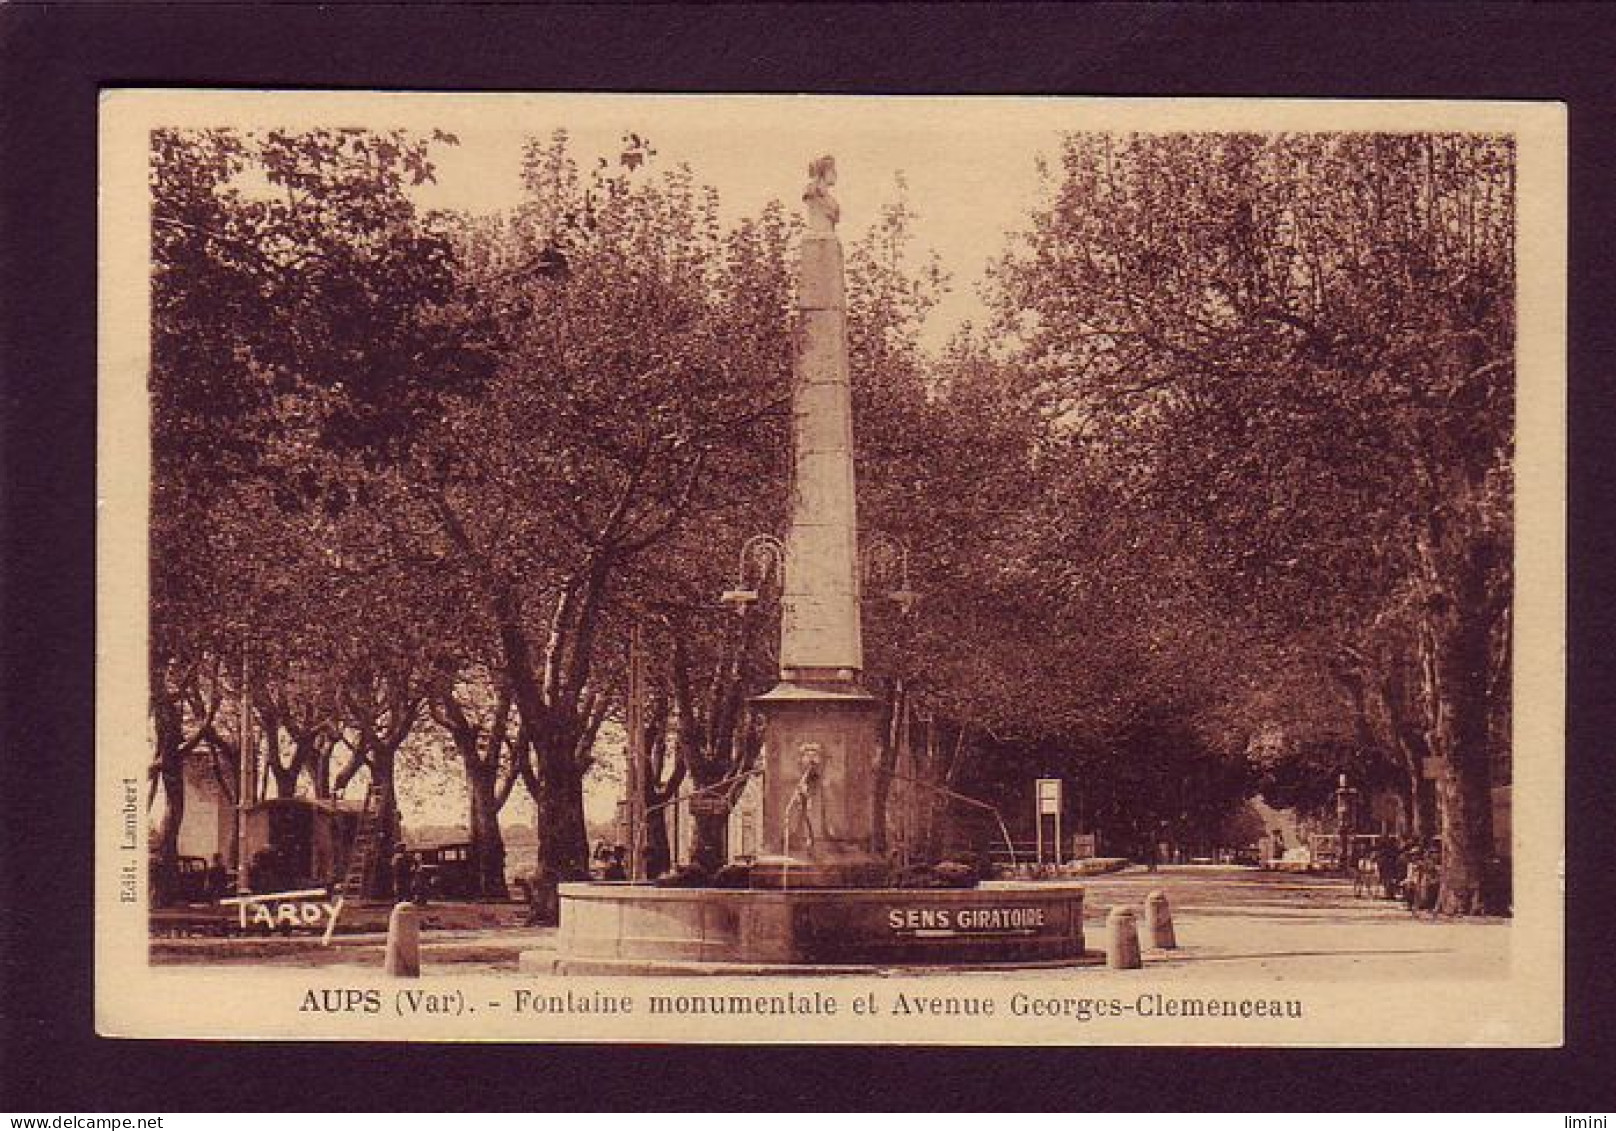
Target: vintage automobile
448, 871
185, 882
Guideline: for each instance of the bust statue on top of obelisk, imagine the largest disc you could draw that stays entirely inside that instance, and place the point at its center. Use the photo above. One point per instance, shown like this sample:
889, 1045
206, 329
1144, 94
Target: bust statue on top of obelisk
823, 211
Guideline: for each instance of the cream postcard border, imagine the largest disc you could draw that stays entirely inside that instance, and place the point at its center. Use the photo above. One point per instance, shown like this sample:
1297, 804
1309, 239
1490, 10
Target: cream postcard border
135, 999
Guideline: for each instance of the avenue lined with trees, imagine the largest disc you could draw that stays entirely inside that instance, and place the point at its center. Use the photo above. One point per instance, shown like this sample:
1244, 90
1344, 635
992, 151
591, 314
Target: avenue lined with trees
1216, 502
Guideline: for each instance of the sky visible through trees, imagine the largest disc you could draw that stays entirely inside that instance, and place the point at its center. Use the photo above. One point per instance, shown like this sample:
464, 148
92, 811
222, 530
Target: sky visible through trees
968, 184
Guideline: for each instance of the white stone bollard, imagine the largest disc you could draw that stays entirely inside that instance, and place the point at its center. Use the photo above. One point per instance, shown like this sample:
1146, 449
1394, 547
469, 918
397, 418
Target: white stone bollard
1159, 922
404, 942
1122, 940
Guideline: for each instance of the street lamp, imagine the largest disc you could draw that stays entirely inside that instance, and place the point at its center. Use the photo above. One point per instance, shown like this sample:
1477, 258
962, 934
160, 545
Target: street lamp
768, 554
763, 555
886, 554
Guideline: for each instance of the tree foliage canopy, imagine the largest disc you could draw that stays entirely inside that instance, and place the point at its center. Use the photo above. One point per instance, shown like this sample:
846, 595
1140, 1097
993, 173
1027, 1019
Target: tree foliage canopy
1219, 500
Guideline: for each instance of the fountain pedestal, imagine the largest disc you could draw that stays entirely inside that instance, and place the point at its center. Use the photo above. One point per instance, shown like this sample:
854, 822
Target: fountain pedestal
821, 744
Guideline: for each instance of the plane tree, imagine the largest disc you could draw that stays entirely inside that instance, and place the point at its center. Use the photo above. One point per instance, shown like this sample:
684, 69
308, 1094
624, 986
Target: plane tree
639, 384
474, 707
1303, 347
301, 316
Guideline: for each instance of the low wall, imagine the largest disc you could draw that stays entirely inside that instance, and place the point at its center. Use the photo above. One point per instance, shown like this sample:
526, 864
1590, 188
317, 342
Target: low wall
1006, 923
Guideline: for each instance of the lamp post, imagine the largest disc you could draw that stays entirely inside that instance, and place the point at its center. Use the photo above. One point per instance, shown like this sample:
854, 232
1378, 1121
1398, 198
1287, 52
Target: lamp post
246, 775
1345, 796
767, 554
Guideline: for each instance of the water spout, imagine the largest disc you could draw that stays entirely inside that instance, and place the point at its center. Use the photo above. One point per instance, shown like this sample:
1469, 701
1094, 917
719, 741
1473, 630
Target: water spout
799, 799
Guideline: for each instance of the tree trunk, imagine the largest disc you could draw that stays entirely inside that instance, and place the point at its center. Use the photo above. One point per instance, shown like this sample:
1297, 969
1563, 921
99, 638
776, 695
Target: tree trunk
735, 751
355, 763
284, 775
1416, 811
1464, 795
1456, 639
557, 779
285, 779
487, 842
315, 756
931, 805
378, 883
1410, 744
709, 832
564, 851
658, 844
1464, 801
171, 772
709, 845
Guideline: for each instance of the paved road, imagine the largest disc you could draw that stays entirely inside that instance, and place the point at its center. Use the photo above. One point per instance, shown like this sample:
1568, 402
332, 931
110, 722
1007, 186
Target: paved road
1241, 922
1231, 923
1208, 889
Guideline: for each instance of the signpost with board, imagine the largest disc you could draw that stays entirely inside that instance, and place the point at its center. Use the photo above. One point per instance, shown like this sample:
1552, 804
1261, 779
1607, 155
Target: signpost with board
709, 805
1047, 792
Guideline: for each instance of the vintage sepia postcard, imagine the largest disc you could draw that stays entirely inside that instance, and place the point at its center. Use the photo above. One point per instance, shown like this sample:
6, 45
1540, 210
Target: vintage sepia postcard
927, 570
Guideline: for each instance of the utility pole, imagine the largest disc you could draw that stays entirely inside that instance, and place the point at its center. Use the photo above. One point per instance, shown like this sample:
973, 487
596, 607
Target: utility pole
246, 773
636, 753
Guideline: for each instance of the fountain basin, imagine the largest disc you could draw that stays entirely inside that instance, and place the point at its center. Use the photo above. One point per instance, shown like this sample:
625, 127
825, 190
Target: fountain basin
627, 928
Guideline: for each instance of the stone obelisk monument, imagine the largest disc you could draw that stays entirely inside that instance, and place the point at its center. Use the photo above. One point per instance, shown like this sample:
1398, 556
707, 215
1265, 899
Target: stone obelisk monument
820, 741
825, 898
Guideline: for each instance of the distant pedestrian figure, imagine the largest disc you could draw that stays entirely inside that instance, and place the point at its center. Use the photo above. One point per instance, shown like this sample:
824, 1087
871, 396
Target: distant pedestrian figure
218, 881
1365, 877
1153, 858
1431, 878
1387, 858
1407, 857
263, 872
420, 883
615, 868
402, 867
1422, 881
